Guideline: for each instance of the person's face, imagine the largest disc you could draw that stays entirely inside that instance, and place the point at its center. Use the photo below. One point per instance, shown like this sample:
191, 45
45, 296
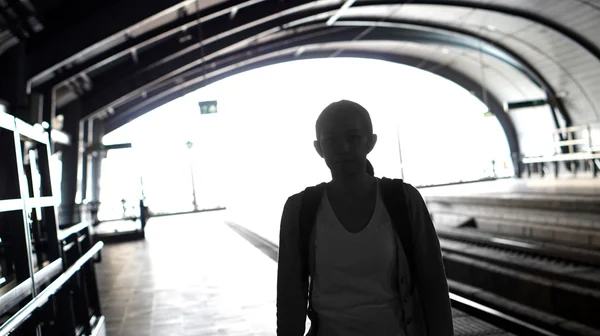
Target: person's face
344, 142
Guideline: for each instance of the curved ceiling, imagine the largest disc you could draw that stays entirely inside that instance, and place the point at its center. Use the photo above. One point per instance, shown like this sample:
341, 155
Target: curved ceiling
515, 50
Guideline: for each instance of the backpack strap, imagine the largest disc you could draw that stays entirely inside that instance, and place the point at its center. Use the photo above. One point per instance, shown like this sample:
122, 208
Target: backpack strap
311, 199
394, 199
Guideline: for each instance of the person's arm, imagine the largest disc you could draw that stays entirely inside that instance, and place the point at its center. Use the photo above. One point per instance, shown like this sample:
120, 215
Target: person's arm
292, 289
430, 273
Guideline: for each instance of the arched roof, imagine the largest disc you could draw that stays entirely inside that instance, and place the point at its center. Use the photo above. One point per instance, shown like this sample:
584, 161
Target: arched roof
123, 55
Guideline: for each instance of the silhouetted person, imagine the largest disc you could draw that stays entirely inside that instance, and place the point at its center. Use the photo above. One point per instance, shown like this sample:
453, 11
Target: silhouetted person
349, 258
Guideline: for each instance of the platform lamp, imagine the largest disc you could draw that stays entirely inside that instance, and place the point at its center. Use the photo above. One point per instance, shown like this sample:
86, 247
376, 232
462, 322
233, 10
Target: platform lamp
189, 145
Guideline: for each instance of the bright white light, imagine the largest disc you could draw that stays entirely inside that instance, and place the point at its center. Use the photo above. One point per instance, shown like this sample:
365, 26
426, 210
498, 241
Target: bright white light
257, 150
445, 50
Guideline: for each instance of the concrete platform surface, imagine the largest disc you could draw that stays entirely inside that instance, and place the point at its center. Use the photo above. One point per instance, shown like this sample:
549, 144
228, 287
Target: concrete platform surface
523, 188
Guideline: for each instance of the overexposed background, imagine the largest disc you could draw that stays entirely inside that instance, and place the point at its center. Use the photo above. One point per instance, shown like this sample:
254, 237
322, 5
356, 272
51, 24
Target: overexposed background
257, 150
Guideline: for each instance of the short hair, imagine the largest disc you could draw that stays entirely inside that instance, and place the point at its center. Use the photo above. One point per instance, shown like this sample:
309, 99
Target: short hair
344, 105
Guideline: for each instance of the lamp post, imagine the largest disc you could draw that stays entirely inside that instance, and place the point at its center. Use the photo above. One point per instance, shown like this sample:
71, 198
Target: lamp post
189, 146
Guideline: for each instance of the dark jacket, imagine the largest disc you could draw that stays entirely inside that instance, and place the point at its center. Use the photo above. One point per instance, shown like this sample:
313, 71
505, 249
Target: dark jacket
425, 304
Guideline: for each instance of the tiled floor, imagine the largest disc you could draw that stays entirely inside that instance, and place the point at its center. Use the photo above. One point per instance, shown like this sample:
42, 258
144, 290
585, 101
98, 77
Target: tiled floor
192, 275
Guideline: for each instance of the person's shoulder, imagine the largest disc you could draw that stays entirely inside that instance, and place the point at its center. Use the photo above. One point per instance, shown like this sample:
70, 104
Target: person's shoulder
409, 190
296, 199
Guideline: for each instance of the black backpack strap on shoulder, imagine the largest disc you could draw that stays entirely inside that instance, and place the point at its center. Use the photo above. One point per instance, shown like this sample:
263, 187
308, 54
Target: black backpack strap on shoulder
311, 199
394, 198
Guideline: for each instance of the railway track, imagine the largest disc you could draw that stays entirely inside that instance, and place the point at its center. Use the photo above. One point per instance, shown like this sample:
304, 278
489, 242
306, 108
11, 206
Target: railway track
552, 287
461, 304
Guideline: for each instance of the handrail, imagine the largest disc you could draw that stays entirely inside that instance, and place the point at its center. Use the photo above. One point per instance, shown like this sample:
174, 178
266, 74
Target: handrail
21, 316
64, 234
575, 128
561, 157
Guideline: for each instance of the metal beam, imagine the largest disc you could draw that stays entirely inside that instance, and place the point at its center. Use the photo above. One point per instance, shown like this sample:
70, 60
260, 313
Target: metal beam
396, 30
188, 22
161, 31
568, 32
513, 59
164, 63
88, 31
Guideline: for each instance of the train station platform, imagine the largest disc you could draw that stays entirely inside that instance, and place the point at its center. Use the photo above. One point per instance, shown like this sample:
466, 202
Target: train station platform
520, 188
559, 211
196, 275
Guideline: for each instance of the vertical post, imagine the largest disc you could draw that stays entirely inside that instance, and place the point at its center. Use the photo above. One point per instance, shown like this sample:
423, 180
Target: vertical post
50, 213
89, 195
96, 159
71, 167
570, 138
82, 162
590, 142
399, 151
24, 191
189, 146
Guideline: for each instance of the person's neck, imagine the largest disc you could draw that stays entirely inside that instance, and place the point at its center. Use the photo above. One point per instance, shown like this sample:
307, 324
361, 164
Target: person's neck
354, 185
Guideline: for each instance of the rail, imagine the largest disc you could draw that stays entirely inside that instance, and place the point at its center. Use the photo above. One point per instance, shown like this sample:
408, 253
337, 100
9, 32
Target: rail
24, 313
496, 317
575, 255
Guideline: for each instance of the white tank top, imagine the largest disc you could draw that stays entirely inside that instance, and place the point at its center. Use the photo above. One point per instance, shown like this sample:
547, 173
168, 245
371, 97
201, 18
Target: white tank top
355, 290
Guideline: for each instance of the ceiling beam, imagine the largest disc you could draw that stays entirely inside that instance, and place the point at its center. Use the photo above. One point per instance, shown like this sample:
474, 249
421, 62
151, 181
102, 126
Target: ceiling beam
119, 85
189, 21
536, 17
85, 32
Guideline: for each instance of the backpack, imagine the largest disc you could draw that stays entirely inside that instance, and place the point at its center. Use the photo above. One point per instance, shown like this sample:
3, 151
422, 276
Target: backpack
394, 199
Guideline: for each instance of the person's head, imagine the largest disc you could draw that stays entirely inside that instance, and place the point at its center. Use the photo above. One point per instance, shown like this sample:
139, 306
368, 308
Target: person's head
345, 137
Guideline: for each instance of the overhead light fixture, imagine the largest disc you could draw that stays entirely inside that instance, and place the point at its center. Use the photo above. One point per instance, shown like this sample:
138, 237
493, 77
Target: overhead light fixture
340, 11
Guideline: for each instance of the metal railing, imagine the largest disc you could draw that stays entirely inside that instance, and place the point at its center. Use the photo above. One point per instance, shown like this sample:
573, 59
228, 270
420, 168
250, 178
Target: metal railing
41, 299
574, 146
40, 294
585, 142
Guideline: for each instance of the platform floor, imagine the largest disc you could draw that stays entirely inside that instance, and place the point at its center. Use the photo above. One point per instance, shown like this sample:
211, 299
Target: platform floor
588, 188
194, 275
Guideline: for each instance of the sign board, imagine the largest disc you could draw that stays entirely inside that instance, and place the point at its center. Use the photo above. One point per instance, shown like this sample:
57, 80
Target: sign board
208, 107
